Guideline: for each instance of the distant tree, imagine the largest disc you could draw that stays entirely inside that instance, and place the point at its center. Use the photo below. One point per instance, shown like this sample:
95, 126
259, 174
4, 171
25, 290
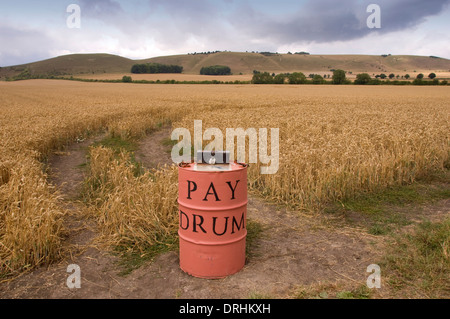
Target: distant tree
266, 53
407, 76
376, 81
297, 78
127, 79
339, 77
362, 78
318, 79
279, 78
383, 76
419, 76
262, 78
138, 68
391, 76
215, 70
432, 75
152, 68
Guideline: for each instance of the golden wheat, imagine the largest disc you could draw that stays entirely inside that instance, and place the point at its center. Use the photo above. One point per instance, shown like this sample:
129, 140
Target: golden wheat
334, 143
132, 211
333, 147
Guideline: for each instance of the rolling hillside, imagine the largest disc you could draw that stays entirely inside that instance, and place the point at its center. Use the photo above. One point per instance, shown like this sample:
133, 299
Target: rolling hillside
74, 64
245, 63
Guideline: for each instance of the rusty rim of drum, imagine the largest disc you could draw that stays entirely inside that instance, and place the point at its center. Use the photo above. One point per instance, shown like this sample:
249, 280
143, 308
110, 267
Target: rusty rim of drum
188, 165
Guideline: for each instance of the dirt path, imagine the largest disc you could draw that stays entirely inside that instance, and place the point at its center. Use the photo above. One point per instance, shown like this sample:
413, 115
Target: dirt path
151, 151
292, 250
66, 171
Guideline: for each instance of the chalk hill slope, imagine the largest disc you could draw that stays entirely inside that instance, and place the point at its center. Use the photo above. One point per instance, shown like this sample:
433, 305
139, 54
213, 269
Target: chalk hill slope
239, 62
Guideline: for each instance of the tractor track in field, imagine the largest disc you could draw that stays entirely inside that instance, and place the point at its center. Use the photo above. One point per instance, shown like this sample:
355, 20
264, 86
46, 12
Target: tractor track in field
293, 249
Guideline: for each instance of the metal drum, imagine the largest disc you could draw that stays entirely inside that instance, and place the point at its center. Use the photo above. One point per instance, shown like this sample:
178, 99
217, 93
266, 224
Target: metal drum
213, 212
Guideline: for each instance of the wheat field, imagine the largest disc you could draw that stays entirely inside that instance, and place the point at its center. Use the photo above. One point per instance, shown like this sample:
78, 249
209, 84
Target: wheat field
335, 142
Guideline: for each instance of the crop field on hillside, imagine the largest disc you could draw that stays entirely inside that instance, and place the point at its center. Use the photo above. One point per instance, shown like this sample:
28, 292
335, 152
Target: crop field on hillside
336, 142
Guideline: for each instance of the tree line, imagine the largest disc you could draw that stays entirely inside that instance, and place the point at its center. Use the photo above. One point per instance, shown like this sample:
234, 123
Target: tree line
215, 70
282, 78
339, 77
153, 68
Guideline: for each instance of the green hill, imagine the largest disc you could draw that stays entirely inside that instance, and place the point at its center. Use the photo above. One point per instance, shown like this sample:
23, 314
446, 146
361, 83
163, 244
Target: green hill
239, 62
74, 64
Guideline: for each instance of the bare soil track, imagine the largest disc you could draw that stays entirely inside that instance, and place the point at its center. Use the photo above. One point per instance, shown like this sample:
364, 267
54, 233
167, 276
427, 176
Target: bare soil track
294, 249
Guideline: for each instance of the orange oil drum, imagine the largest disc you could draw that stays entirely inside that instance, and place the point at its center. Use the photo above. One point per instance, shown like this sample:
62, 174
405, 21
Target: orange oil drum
213, 219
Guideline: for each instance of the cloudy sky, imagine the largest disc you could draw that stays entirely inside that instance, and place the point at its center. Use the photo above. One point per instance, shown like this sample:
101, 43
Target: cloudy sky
138, 29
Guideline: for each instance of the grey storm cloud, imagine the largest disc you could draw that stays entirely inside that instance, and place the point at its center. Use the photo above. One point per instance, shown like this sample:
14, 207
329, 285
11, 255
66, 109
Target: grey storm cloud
169, 22
176, 22
330, 20
232, 24
173, 21
112, 14
407, 13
